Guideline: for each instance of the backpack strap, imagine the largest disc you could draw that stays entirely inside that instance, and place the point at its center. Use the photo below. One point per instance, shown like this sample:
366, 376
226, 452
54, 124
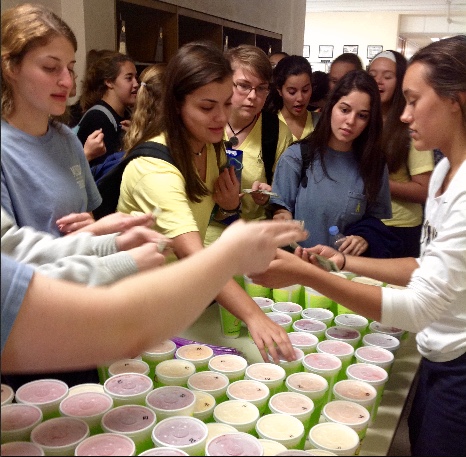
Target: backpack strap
270, 131
315, 117
109, 184
306, 163
104, 110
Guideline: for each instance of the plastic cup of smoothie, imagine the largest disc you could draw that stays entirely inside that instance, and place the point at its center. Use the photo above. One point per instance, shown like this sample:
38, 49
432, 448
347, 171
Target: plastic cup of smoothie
344, 351
255, 392
383, 340
282, 319
134, 421
18, 420
216, 429
60, 435
153, 356
376, 355
44, 393
346, 334
240, 414
290, 308
171, 401
348, 413
186, 433
7, 394
326, 365
313, 326
198, 354
164, 451
359, 392
204, 406
106, 444
351, 320
313, 386
88, 406
128, 366
273, 376
320, 314
229, 323
283, 428
272, 447
234, 444
231, 365
295, 366
333, 437
256, 290
305, 341
174, 372
128, 388
373, 375
264, 303
86, 387
21, 448
213, 382
287, 294
377, 327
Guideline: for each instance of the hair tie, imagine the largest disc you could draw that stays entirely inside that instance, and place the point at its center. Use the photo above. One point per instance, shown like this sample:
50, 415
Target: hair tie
387, 54
143, 83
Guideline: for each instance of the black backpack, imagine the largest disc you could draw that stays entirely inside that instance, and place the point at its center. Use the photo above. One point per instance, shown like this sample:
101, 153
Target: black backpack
109, 184
270, 130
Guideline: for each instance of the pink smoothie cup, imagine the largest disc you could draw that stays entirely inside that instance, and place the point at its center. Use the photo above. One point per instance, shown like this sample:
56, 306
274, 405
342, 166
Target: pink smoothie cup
273, 376
345, 334
359, 392
164, 451
305, 341
383, 340
381, 357
198, 354
377, 327
7, 394
321, 314
264, 303
295, 366
128, 388
313, 326
44, 393
344, 351
60, 435
240, 414
231, 365
291, 309
18, 420
21, 448
128, 366
210, 381
255, 392
186, 433
106, 444
88, 406
134, 421
171, 401
234, 444
354, 321
282, 319
326, 365
163, 351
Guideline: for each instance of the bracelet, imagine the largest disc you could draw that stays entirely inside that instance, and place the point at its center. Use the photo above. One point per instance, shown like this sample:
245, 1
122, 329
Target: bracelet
344, 261
230, 212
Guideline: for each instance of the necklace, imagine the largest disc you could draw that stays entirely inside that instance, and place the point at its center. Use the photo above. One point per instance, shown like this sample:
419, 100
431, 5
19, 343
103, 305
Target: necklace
200, 152
234, 139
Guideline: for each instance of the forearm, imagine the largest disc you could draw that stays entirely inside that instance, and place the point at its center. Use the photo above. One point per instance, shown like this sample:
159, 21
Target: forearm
411, 191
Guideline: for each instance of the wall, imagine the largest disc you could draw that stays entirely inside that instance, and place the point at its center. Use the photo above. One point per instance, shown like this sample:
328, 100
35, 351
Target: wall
355, 28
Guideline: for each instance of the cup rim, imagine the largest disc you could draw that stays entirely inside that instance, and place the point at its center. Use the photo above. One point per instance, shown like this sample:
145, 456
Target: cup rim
118, 436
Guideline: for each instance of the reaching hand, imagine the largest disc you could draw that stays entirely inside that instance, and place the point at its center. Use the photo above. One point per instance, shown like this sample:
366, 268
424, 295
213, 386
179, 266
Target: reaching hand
94, 146
227, 189
259, 198
147, 256
354, 245
138, 235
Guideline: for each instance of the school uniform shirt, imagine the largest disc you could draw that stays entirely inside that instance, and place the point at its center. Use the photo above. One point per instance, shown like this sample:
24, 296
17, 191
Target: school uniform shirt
308, 127
325, 202
45, 178
409, 214
148, 182
434, 302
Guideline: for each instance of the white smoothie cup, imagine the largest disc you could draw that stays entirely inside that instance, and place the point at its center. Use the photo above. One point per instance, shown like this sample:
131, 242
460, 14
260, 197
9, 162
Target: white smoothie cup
265, 304
216, 428
173, 372
287, 294
234, 444
321, 314
213, 382
198, 354
134, 421
128, 366
271, 447
164, 451
106, 444
383, 340
313, 326
351, 320
171, 401
204, 406
282, 319
44, 393
305, 341
255, 392
344, 351
290, 308
18, 421
156, 354
21, 448
346, 334
376, 355
283, 428
377, 327
273, 376
7, 394
326, 365
128, 388
333, 437
240, 414
231, 365
60, 435
86, 387
88, 406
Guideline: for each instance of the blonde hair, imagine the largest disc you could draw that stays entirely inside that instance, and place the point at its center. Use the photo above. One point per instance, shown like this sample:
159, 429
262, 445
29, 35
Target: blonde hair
253, 59
26, 27
147, 108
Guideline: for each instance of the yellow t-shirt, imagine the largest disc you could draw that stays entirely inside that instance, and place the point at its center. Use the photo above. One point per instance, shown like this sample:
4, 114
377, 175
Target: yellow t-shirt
308, 128
148, 182
409, 214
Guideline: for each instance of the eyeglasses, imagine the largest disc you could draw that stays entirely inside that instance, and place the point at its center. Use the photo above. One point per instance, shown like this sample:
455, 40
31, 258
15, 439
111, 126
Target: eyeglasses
245, 89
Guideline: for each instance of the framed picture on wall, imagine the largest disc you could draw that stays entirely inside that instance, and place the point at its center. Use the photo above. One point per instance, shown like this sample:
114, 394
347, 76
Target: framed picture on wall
325, 51
351, 48
306, 50
373, 50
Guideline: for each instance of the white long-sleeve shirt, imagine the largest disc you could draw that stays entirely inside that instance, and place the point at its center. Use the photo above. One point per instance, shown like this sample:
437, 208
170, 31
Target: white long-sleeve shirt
434, 304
